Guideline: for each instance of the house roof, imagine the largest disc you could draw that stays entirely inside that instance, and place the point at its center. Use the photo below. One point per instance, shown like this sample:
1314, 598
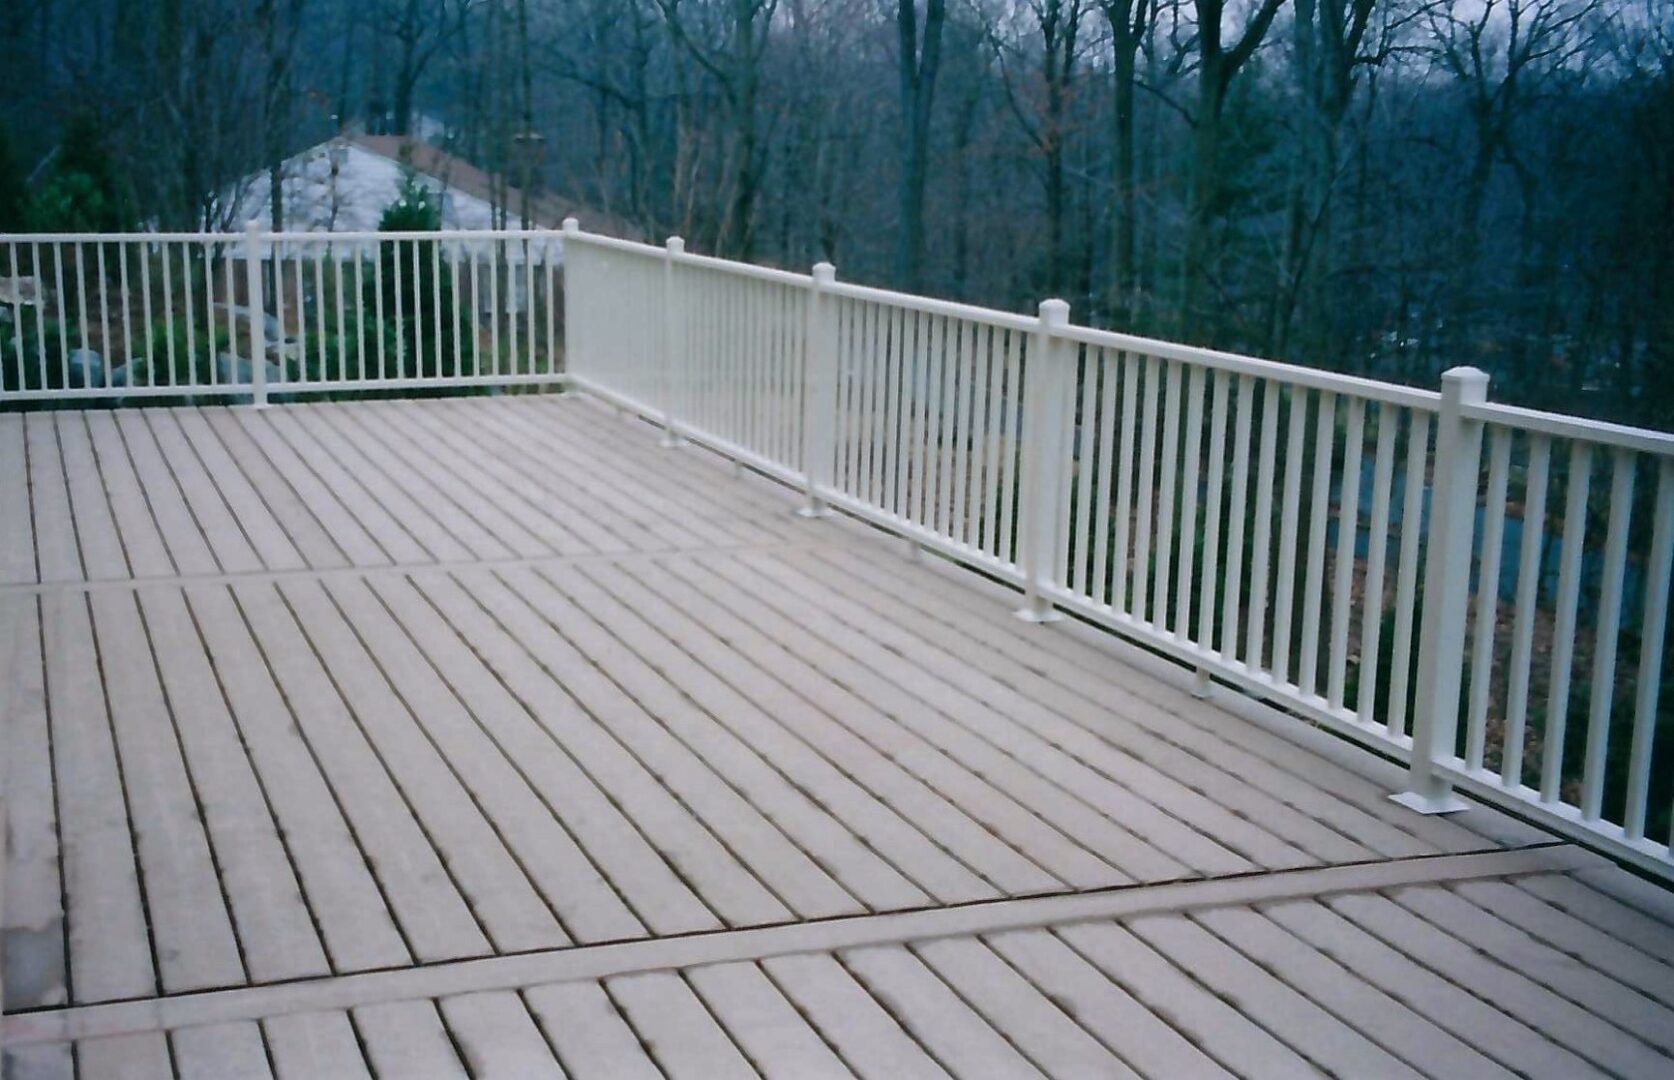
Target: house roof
345, 183
457, 174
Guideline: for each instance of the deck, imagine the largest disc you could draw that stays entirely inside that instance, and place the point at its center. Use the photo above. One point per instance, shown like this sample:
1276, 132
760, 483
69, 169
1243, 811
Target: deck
486, 737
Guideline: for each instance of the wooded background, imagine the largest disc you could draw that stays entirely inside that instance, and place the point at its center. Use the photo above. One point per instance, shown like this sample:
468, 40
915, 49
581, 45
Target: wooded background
1386, 187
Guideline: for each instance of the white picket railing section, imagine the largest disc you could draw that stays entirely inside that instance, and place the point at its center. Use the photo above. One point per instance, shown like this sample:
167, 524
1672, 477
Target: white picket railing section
1476, 590
1371, 557
159, 315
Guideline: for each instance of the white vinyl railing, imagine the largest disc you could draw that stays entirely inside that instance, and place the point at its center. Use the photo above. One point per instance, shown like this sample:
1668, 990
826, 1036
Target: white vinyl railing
159, 315
1476, 590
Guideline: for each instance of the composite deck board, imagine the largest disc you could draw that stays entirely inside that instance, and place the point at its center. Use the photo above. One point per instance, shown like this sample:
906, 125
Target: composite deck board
1067, 659
894, 764
1040, 853
793, 832
419, 885
1246, 785
881, 803
1105, 850
102, 554
218, 1051
33, 943
771, 878
367, 481
227, 533
588, 1032
488, 516
351, 912
772, 769
110, 945
504, 902
497, 1036
314, 1046
148, 555
254, 859
195, 943
358, 526
508, 504
481, 688
322, 527
708, 503
871, 1043
526, 729
763, 1023
408, 1039
188, 548
17, 521
229, 445
535, 668
429, 492
551, 471
267, 533
57, 553
1177, 818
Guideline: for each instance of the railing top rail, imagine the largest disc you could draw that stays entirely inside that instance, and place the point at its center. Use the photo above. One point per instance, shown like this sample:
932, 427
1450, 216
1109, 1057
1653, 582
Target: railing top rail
364, 236
122, 238
1007, 319
761, 273
1314, 378
633, 247
1573, 427
280, 237
707, 262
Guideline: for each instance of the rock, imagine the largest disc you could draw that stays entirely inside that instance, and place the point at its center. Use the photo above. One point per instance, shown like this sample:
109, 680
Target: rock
87, 368
237, 370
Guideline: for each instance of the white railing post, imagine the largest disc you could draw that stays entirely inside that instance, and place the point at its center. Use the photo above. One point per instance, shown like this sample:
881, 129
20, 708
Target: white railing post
819, 394
674, 351
1047, 414
1447, 587
257, 308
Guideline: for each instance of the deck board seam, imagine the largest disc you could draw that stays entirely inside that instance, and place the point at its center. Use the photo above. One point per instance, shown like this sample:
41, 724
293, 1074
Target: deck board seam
392, 570
834, 934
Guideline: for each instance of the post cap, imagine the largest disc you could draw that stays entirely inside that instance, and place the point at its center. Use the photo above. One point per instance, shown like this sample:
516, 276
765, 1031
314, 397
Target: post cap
1054, 312
253, 225
1465, 384
825, 273
676, 245
571, 225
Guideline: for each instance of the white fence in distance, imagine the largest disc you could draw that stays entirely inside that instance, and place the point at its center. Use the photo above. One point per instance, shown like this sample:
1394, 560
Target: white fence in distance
124, 318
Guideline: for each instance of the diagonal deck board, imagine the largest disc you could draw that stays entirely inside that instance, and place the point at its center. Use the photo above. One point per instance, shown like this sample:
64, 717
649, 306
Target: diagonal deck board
483, 735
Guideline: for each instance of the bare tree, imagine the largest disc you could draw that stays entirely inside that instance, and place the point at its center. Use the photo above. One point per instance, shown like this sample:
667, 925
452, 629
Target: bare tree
919, 62
1042, 106
1129, 20
729, 39
1217, 66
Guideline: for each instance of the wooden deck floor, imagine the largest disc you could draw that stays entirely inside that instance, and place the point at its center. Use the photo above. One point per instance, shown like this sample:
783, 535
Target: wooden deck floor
483, 736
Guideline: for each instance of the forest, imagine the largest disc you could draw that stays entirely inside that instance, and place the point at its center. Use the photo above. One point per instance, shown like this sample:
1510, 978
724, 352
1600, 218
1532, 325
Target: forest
1383, 187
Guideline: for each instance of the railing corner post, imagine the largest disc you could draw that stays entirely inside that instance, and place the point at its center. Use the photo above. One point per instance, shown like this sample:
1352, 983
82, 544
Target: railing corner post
1446, 595
253, 240
571, 225
673, 346
1048, 411
819, 394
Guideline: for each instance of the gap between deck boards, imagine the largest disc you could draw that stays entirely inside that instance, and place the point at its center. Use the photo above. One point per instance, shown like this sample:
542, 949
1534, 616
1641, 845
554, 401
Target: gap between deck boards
592, 962
332, 573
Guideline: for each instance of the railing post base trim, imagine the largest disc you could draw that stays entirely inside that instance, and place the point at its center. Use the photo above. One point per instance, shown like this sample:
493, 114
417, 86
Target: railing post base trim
1038, 611
1202, 687
1444, 803
816, 509
673, 441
